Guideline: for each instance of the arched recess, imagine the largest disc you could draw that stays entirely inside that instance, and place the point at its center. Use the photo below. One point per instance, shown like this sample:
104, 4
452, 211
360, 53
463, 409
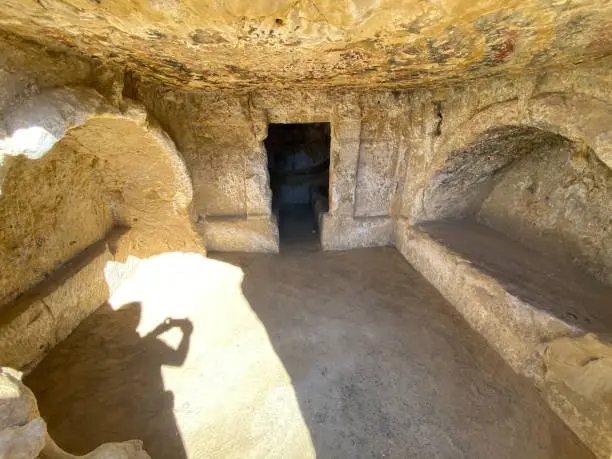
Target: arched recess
538, 172
580, 118
71, 168
542, 178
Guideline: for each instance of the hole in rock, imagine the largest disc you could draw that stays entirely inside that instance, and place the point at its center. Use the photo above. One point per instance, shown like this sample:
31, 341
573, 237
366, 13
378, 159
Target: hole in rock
298, 161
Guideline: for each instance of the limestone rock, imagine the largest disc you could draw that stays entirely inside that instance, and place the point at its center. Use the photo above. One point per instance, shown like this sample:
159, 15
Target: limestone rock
319, 43
23, 433
458, 130
585, 365
66, 160
23, 442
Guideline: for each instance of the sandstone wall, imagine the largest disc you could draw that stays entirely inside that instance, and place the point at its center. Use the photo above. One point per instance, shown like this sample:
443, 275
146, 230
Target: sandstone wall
221, 137
393, 153
462, 140
557, 200
26, 68
531, 157
72, 167
51, 209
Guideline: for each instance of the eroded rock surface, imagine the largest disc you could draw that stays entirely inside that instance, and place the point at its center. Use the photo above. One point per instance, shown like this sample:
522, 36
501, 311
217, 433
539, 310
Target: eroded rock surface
74, 169
547, 319
237, 43
23, 433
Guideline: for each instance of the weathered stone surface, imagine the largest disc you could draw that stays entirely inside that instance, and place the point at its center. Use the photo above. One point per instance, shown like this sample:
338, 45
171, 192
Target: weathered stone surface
578, 387
527, 156
343, 233
235, 43
25, 70
526, 151
221, 137
489, 129
251, 234
386, 147
38, 320
557, 200
23, 442
23, 433
73, 168
68, 163
584, 365
532, 310
382, 144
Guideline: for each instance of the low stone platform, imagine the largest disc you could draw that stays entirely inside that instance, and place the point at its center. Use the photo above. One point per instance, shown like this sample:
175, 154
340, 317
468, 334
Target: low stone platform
550, 321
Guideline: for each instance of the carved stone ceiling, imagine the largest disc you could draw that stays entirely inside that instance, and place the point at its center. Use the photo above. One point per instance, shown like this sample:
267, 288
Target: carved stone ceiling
318, 43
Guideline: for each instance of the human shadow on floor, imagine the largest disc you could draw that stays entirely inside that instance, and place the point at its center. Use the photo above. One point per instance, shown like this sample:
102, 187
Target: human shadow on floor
104, 384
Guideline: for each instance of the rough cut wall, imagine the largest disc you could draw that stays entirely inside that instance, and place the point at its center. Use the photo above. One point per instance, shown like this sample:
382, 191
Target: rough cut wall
558, 200
503, 119
50, 209
226, 161
459, 188
221, 137
530, 156
65, 186
26, 68
389, 149
71, 168
382, 151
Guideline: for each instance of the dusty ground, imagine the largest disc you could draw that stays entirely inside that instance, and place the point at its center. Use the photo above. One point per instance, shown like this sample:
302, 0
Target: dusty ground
333, 354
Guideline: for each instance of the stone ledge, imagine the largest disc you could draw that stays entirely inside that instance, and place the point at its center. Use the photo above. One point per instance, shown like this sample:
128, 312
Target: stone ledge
547, 320
343, 233
239, 234
45, 315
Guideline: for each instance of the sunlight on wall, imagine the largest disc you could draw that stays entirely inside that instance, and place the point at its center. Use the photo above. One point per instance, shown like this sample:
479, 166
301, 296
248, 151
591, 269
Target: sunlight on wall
232, 395
32, 142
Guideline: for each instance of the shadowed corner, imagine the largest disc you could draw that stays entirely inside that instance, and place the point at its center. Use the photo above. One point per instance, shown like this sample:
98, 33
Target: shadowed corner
116, 391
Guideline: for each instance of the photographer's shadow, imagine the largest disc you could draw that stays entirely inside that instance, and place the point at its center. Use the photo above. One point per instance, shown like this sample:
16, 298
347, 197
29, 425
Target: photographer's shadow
112, 388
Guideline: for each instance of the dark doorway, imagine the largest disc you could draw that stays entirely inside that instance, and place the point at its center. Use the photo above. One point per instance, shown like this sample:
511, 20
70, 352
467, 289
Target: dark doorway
298, 161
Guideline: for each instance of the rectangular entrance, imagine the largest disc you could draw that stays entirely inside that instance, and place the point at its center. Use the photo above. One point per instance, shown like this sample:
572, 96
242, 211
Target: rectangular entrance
298, 162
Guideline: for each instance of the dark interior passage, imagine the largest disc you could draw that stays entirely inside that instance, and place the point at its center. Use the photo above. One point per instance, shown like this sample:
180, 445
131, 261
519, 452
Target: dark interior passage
298, 161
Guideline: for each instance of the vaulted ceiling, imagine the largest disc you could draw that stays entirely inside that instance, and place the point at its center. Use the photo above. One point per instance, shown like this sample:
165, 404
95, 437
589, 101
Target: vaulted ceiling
318, 43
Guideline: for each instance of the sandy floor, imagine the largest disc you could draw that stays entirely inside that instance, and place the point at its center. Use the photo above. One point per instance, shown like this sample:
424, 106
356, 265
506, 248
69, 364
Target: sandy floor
302, 354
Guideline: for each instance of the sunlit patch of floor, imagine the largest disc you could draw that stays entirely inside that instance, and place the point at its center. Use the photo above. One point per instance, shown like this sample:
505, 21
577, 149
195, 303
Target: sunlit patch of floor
301, 354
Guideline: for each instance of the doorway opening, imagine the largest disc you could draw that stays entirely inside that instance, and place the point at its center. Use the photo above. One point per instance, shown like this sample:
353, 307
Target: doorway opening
298, 162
